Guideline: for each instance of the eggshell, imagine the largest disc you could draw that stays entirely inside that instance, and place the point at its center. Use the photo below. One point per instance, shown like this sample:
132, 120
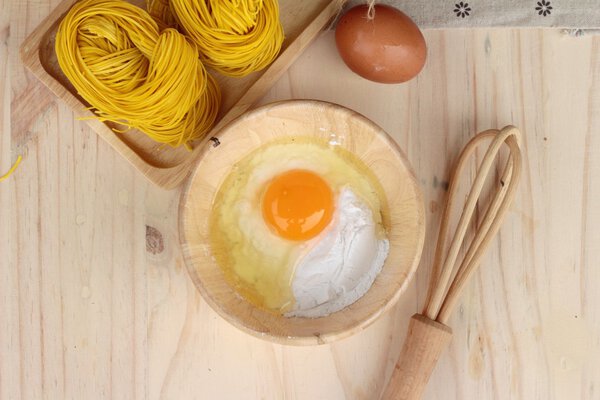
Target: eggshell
389, 48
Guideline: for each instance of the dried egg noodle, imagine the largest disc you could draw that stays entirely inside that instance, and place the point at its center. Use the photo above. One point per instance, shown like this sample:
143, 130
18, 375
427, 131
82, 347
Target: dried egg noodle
235, 37
11, 170
161, 12
133, 74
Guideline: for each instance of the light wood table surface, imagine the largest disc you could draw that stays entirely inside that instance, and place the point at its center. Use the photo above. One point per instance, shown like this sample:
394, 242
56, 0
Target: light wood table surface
95, 302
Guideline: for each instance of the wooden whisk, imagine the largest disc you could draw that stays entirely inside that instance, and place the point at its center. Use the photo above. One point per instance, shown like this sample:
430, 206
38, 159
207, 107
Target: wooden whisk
428, 335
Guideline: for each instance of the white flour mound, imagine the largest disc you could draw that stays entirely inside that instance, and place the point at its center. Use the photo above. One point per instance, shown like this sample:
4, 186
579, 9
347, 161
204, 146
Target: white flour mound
342, 266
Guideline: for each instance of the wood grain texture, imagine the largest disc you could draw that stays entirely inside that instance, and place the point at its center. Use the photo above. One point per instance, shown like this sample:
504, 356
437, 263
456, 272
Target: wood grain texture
165, 166
95, 305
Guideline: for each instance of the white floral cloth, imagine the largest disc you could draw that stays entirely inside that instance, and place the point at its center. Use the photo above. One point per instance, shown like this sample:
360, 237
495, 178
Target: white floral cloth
577, 15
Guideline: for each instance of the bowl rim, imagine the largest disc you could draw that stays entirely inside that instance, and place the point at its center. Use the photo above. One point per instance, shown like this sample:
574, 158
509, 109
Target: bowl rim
332, 336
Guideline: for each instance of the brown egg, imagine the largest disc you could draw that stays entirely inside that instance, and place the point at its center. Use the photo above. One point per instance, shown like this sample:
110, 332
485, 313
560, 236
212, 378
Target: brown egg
389, 48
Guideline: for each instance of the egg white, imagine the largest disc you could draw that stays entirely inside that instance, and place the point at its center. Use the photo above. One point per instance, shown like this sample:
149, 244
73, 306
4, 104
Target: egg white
257, 261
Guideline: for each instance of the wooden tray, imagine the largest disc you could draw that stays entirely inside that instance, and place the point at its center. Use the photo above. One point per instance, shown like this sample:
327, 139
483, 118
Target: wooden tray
165, 166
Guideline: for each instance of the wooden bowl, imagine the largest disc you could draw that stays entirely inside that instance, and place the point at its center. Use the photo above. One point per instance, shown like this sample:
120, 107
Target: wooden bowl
352, 131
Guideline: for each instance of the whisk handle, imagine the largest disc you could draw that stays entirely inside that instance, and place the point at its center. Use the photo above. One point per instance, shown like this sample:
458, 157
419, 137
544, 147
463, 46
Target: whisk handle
424, 343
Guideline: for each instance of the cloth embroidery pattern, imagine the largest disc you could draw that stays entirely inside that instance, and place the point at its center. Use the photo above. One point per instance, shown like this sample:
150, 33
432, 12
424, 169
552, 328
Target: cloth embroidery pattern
543, 8
462, 9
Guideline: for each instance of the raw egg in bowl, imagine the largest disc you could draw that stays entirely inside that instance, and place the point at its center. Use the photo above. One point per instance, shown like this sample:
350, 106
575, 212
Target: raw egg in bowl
304, 224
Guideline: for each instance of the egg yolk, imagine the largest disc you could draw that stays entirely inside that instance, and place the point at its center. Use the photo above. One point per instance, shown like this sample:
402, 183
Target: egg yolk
298, 204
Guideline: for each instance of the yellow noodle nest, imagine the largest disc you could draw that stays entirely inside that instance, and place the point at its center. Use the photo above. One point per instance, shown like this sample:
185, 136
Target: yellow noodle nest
132, 73
235, 37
